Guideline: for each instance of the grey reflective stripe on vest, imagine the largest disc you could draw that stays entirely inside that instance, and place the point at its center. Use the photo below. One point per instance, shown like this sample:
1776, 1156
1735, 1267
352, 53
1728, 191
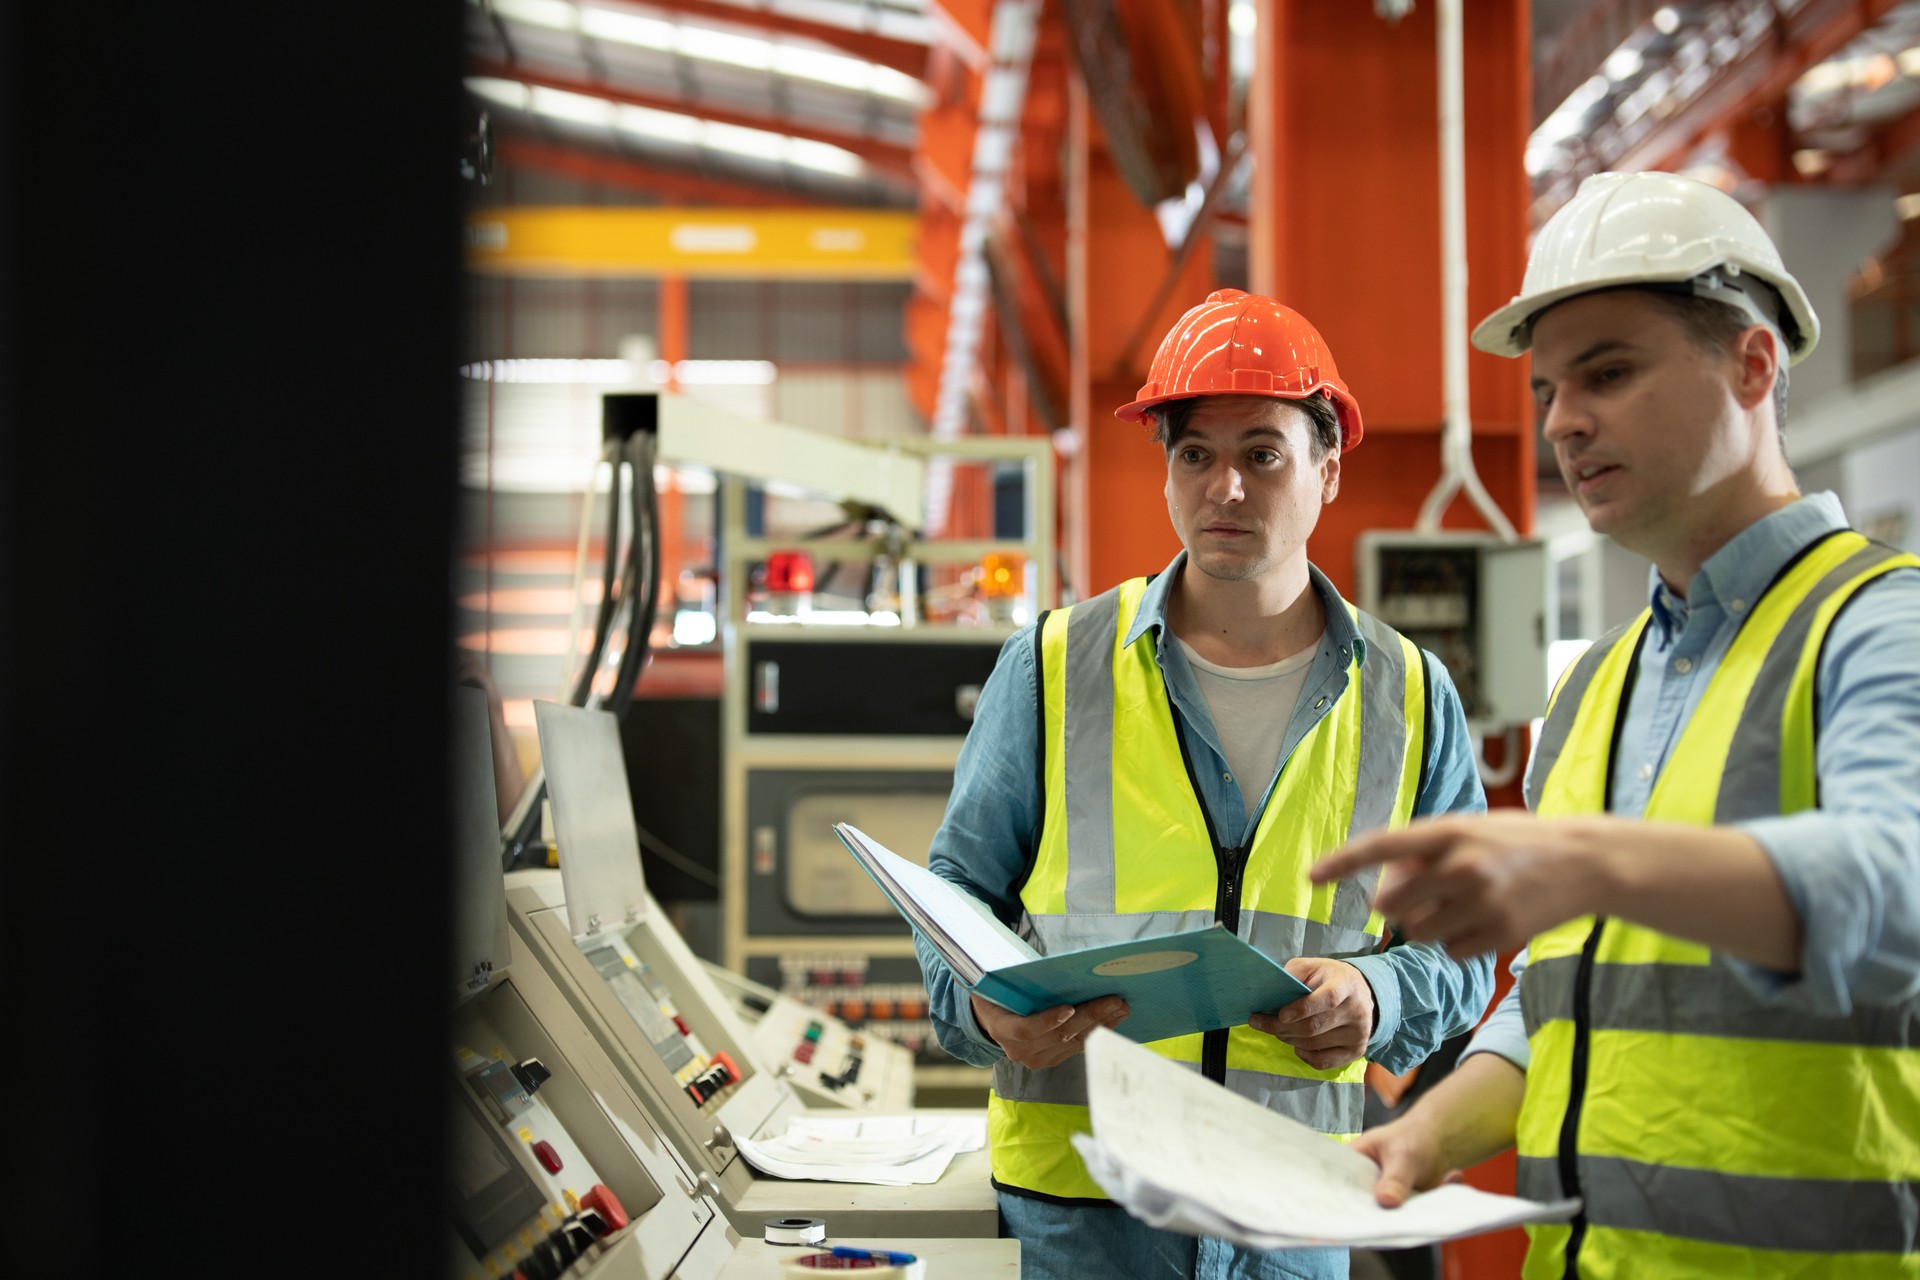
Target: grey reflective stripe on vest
1058, 935
1272, 933
1383, 757
1383, 735
1283, 937
1326, 1106
1750, 781
1330, 1106
1702, 1000
1087, 741
1805, 1215
1566, 705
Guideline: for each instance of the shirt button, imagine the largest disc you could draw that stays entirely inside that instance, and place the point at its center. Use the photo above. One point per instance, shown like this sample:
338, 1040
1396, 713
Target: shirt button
1737, 605
1226, 777
1646, 771
1319, 704
1682, 665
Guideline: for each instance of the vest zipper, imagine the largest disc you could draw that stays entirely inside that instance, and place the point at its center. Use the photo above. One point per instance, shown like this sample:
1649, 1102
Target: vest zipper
1568, 1161
1226, 909
1229, 862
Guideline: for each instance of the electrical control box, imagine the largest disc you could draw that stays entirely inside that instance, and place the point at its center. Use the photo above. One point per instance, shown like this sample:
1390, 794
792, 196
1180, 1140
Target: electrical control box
863, 724
1482, 606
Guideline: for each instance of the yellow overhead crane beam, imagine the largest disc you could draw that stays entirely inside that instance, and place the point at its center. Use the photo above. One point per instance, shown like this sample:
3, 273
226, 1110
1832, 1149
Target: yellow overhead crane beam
761, 244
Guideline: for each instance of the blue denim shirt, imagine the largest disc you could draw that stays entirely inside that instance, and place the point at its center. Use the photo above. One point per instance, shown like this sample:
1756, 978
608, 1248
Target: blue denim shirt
1850, 867
986, 842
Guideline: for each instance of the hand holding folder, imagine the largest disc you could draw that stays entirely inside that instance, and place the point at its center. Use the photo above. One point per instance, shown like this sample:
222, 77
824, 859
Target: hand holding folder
1175, 984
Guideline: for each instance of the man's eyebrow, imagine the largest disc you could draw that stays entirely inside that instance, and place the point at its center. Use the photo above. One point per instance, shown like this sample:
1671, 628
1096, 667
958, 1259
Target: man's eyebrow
1604, 347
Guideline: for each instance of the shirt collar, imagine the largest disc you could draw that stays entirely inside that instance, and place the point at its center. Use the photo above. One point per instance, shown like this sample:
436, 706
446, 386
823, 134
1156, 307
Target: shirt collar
1153, 608
1739, 573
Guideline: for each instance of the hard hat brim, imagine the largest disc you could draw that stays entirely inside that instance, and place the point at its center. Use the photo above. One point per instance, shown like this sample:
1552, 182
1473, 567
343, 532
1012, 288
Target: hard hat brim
1345, 409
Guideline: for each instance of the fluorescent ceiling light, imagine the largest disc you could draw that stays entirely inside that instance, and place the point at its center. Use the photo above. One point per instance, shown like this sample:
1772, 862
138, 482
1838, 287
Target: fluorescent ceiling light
746, 142
508, 93
1622, 63
615, 373
824, 157
628, 28
712, 45
1907, 206
577, 107
670, 126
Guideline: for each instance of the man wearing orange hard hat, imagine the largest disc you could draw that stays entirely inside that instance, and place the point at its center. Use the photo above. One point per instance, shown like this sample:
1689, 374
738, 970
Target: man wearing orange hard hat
1176, 752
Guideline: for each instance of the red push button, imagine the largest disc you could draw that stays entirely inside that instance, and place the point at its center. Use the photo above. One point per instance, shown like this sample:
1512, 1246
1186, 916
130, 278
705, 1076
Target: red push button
606, 1204
681, 1023
549, 1158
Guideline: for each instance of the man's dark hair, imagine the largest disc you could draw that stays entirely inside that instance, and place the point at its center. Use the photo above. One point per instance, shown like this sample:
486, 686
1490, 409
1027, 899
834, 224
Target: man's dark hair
1170, 422
1712, 326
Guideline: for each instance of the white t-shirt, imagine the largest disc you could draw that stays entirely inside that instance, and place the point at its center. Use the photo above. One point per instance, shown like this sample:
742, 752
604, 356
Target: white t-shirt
1251, 707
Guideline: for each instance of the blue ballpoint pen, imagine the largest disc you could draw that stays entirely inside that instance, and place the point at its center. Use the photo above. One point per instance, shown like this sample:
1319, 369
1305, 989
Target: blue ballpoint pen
877, 1255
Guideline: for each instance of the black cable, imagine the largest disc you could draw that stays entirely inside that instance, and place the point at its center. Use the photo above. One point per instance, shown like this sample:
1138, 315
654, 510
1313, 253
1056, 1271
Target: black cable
644, 600
609, 454
674, 858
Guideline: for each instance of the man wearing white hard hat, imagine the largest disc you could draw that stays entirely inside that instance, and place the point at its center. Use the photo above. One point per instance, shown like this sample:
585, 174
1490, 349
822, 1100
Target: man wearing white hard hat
1176, 752
1713, 1039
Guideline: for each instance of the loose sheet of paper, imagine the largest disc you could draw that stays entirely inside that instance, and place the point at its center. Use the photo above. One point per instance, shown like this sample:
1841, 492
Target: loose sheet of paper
893, 1151
1181, 1152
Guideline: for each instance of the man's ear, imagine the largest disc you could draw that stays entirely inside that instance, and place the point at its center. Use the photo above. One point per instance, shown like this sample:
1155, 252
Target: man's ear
1757, 353
1330, 476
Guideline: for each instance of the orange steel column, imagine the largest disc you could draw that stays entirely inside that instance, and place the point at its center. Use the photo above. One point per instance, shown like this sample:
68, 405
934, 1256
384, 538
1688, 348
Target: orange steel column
1346, 230
1114, 483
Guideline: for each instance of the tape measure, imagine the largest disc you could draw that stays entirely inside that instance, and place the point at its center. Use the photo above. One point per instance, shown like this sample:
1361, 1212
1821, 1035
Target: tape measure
795, 1230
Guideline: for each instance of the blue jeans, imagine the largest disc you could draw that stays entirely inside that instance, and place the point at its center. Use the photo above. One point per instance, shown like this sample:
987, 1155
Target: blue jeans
1081, 1242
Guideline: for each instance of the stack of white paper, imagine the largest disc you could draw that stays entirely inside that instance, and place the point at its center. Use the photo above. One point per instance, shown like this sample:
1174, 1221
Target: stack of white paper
1180, 1152
893, 1151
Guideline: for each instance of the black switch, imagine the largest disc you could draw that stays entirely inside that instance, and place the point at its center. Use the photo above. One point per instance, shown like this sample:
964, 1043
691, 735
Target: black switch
531, 1074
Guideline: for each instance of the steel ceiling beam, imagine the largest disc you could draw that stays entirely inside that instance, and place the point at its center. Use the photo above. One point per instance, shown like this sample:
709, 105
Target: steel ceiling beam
902, 55
893, 161
655, 180
1811, 35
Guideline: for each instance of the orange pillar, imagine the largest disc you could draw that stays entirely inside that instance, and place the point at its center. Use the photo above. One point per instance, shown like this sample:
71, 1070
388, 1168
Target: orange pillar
1346, 229
1113, 495
673, 325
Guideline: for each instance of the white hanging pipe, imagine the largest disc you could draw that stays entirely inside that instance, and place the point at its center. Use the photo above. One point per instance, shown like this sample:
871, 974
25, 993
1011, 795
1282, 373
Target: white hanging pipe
1456, 432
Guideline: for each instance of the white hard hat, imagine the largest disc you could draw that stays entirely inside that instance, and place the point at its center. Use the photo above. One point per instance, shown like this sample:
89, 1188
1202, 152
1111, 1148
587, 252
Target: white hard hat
1654, 229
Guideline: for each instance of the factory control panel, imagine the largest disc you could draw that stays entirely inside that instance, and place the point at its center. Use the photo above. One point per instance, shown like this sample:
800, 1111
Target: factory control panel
553, 1167
704, 1074
601, 940
526, 1198
827, 1061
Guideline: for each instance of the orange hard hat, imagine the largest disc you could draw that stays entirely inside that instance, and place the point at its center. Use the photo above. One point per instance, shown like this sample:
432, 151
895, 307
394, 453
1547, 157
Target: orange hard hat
1242, 344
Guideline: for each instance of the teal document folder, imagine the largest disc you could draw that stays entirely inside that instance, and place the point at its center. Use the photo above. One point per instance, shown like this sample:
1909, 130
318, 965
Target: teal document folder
1174, 984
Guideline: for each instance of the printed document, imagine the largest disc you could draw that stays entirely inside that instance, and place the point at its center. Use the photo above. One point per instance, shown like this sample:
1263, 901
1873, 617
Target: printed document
1180, 1152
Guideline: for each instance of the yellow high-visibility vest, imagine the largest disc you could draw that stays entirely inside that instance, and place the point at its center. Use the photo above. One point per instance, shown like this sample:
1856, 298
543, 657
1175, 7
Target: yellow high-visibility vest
1709, 1132
1125, 852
